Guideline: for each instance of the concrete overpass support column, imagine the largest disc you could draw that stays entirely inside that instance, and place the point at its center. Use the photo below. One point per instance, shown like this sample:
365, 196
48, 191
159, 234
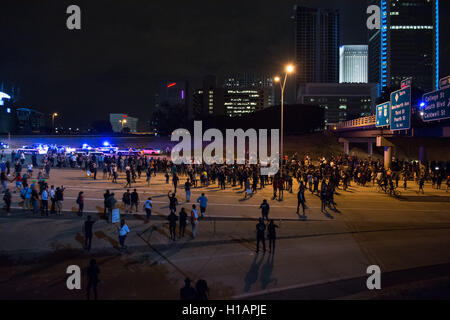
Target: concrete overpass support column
387, 157
347, 147
369, 148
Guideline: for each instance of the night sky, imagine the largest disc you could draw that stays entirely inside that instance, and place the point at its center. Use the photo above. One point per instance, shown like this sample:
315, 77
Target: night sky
124, 47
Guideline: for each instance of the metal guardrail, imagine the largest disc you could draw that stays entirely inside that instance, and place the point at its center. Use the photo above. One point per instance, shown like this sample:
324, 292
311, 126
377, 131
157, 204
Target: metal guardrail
360, 122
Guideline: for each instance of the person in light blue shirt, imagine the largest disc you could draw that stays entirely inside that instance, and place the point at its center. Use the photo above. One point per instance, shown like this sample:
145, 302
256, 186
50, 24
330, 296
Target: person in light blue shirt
203, 202
123, 231
44, 201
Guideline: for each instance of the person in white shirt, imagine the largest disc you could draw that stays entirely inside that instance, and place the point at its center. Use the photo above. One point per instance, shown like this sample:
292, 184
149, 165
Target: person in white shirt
148, 207
123, 231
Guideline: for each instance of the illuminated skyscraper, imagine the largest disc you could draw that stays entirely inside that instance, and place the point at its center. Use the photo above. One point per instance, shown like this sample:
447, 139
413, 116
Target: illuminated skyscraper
353, 64
407, 44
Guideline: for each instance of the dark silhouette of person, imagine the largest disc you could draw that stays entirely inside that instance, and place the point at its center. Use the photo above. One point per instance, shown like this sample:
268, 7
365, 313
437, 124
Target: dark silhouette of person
202, 290
88, 224
187, 292
172, 224
265, 209
271, 235
92, 273
260, 230
173, 201
183, 222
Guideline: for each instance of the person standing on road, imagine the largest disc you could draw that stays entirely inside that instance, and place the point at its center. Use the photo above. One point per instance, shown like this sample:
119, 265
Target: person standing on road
149, 176
323, 196
187, 189
111, 205
126, 199
92, 274
301, 198
7, 199
421, 183
183, 222
265, 209
203, 203
59, 194
134, 200
105, 201
187, 292
53, 200
173, 201
128, 175
80, 202
194, 221
172, 224
272, 235
175, 182
88, 225
260, 230
44, 201
123, 231
202, 290
148, 208
34, 199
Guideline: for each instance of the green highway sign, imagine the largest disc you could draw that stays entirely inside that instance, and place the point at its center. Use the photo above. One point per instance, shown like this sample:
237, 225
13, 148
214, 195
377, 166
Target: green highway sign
437, 105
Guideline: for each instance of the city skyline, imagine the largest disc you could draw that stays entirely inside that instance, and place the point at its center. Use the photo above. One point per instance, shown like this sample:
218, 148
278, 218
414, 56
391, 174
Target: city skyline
114, 63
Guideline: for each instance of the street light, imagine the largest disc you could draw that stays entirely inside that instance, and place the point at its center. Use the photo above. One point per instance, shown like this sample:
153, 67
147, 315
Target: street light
288, 69
53, 120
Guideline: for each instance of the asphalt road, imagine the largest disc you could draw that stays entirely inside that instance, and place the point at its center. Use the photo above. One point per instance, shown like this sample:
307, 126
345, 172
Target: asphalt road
318, 256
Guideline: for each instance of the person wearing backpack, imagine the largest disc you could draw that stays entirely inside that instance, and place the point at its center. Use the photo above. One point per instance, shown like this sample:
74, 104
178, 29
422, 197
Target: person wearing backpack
260, 230
80, 202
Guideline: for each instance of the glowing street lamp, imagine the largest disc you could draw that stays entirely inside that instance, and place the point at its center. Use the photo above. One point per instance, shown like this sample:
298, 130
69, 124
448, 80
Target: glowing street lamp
288, 69
53, 120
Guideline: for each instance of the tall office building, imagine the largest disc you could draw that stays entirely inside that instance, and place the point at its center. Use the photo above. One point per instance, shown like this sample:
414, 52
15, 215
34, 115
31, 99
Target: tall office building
252, 81
407, 45
316, 45
353, 64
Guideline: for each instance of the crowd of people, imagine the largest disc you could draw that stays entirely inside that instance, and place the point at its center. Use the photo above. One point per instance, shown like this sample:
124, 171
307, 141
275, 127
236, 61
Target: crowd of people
321, 177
